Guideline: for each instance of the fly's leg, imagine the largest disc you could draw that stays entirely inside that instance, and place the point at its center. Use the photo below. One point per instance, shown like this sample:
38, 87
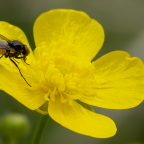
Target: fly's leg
26, 63
19, 71
2, 56
23, 59
15, 60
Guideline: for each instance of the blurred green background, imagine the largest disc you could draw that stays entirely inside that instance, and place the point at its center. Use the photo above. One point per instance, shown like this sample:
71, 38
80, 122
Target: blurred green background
123, 22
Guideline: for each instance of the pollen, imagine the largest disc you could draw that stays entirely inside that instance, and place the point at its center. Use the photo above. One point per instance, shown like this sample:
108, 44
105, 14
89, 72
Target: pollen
60, 74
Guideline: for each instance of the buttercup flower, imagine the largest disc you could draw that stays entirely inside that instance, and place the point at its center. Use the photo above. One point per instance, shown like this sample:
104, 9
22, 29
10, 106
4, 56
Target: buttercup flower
64, 80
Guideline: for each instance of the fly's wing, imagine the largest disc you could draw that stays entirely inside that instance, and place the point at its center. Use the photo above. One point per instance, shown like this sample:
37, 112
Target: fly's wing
3, 38
4, 45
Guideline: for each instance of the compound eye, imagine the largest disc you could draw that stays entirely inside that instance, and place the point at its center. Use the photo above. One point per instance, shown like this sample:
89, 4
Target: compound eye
26, 50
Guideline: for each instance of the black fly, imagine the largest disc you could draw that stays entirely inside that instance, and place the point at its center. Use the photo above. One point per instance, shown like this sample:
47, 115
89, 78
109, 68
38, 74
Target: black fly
13, 49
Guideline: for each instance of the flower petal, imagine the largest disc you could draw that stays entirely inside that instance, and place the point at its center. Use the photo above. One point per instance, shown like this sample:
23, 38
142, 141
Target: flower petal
74, 27
118, 83
13, 33
14, 85
81, 120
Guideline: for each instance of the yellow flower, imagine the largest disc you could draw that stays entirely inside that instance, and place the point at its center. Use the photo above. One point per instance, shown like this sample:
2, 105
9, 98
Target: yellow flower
64, 81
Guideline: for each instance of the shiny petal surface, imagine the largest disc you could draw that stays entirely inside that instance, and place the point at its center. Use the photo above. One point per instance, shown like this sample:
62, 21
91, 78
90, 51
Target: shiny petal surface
118, 82
13, 84
74, 27
80, 120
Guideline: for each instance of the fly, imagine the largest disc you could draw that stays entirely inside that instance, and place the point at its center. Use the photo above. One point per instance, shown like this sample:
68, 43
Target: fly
13, 49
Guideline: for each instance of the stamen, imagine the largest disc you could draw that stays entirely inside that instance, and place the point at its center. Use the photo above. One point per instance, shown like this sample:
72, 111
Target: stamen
46, 96
52, 95
62, 99
60, 73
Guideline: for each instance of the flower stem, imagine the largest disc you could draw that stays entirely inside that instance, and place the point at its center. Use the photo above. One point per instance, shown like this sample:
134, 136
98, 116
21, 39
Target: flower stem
40, 129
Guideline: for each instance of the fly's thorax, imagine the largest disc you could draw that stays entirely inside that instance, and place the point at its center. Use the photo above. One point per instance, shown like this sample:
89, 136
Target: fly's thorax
18, 46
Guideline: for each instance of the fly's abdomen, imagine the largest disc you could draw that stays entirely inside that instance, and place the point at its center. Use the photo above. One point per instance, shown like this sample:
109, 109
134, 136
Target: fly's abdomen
2, 51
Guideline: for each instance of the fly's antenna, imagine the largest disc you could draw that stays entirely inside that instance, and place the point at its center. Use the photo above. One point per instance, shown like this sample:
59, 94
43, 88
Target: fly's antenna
19, 71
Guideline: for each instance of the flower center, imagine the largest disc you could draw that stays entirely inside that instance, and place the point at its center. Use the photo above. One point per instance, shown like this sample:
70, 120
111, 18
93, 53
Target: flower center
60, 73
